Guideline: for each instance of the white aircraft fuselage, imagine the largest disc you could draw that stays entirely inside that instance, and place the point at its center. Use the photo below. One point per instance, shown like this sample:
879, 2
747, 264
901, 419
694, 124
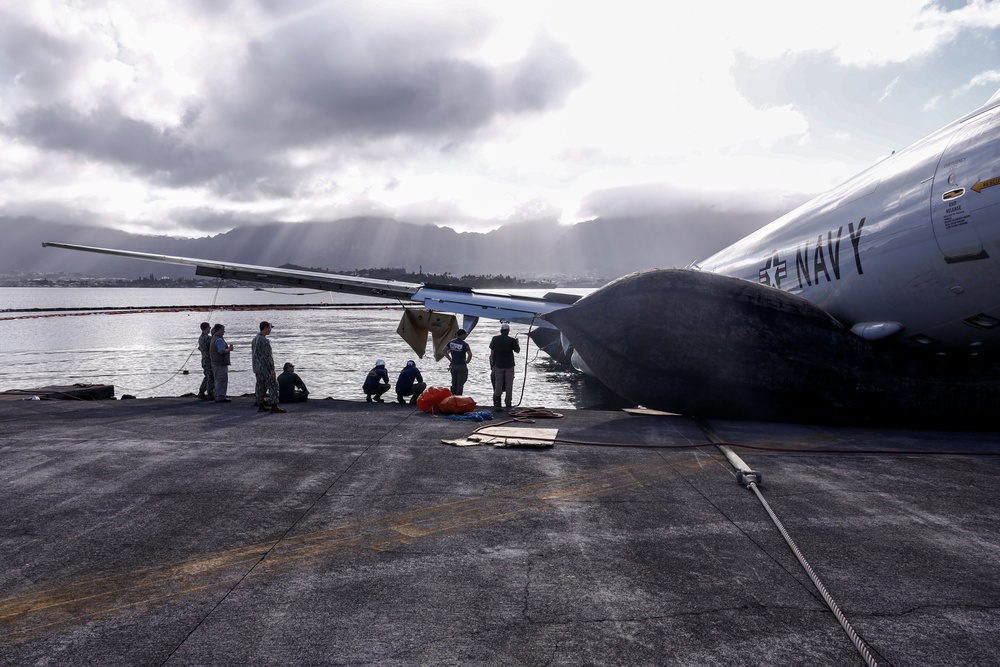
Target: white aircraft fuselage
911, 246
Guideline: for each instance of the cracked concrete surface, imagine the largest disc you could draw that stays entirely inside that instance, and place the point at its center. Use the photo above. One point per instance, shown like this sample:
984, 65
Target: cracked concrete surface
175, 532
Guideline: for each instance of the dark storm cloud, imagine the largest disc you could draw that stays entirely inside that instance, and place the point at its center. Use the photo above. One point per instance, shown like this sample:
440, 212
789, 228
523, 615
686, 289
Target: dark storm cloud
327, 83
319, 81
107, 136
40, 64
542, 80
166, 156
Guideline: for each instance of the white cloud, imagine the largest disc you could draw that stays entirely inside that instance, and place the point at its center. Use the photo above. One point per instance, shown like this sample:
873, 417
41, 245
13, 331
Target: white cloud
990, 77
888, 90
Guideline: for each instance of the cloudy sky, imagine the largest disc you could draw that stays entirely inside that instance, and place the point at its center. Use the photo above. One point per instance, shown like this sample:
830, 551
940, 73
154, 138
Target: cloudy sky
189, 117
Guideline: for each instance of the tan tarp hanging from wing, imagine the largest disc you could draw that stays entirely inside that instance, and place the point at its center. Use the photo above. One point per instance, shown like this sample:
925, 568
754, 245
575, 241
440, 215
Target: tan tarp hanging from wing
416, 324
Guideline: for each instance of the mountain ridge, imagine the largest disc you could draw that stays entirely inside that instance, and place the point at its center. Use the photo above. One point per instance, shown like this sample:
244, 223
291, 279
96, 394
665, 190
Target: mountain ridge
598, 248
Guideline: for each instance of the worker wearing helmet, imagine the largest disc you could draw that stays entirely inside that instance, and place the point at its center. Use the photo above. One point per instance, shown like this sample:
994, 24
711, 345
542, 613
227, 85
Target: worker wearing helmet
377, 382
410, 383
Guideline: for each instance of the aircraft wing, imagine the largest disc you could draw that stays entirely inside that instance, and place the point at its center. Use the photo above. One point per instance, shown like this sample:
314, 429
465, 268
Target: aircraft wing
469, 302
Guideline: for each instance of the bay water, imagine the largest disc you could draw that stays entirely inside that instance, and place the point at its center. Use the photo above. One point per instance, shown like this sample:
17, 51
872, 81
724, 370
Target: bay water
51, 336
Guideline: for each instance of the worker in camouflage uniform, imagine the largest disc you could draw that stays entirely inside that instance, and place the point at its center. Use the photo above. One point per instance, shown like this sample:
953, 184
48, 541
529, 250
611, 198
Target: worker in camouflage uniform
219, 351
263, 369
207, 390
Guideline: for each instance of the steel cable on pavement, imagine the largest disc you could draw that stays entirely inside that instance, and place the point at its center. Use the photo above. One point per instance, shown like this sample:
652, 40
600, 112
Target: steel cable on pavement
750, 478
528, 416
859, 643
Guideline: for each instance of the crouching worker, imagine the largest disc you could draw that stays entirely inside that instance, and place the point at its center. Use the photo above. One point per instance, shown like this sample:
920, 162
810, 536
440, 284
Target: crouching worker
376, 383
410, 383
291, 388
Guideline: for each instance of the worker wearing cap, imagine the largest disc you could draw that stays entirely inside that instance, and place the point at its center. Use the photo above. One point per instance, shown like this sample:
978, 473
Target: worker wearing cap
459, 354
502, 349
376, 383
410, 383
266, 389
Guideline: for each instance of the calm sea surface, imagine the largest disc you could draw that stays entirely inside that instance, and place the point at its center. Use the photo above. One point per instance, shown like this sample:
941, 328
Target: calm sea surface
148, 354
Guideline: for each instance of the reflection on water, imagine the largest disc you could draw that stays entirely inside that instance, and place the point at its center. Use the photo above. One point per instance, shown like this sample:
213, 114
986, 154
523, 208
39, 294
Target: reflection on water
145, 354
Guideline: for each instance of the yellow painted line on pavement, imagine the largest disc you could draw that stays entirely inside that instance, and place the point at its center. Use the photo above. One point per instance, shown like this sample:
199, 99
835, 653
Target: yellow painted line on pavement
34, 612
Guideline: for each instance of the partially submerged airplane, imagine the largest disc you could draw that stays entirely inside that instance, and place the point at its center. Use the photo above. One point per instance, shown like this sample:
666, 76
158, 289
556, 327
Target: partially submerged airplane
877, 302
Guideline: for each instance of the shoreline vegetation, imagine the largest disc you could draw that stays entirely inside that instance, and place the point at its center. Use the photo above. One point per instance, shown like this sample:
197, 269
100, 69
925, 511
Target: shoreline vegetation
400, 274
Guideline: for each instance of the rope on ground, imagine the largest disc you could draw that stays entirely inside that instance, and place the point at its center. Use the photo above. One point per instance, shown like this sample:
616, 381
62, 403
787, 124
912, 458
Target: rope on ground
524, 372
182, 370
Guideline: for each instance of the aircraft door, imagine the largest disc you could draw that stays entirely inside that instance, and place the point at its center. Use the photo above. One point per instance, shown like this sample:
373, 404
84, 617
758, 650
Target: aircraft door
957, 195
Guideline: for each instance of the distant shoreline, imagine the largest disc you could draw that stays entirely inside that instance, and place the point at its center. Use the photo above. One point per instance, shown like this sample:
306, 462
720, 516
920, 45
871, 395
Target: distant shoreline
484, 282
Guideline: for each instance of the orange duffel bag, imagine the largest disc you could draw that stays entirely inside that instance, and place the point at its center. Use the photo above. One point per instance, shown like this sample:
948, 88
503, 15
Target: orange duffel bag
431, 398
457, 405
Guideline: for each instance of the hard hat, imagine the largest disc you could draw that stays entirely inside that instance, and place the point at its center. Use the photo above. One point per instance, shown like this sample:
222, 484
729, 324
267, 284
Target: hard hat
379, 362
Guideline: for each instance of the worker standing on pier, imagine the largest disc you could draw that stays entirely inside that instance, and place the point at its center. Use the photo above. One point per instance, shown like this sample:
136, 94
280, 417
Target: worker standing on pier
263, 369
218, 352
207, 390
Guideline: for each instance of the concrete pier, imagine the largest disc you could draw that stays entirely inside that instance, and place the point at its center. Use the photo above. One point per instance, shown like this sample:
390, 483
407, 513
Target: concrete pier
179, 532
